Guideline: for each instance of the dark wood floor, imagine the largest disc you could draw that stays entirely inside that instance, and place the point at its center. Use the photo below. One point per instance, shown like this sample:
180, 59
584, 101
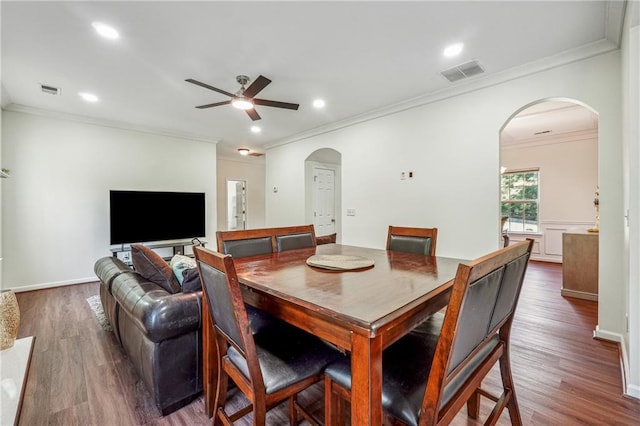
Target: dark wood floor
79, 376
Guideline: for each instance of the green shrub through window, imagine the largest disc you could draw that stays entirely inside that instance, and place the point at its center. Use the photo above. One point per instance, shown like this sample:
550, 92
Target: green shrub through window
519, 200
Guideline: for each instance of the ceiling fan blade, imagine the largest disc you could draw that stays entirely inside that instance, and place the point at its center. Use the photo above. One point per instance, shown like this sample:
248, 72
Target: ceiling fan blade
266, 102
254, 88
253, 114
214, 104
206, 86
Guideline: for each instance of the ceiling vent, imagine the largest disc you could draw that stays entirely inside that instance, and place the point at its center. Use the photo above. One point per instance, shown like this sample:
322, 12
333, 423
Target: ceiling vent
461, 71
50, 89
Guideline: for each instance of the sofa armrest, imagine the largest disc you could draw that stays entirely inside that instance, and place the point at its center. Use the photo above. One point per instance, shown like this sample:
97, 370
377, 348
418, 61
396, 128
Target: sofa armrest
159, 314
162, 315
108, 268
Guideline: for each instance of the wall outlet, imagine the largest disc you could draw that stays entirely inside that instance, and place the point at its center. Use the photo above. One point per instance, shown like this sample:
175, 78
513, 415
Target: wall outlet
351, 212
403, 175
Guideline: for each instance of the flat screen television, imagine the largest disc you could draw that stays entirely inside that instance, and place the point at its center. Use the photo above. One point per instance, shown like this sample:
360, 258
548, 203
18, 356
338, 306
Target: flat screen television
149, 216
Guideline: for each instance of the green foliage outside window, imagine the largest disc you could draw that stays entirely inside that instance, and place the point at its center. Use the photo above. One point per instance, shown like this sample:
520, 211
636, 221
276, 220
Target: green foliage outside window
519, 201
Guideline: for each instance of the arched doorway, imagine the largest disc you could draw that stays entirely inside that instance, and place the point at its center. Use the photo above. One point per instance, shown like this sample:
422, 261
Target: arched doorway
549, 148
322, 190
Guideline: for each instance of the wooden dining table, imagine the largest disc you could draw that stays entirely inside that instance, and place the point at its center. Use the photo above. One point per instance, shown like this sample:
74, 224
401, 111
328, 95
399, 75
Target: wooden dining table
361, 311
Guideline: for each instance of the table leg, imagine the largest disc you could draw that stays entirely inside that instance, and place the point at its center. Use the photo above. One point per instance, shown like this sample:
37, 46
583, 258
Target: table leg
366, 380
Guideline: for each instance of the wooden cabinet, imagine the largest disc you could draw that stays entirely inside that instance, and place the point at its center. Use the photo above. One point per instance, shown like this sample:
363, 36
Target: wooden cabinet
580, 264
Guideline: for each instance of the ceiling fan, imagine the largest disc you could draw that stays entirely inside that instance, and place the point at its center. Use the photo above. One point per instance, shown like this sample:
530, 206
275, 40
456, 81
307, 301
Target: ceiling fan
244, 98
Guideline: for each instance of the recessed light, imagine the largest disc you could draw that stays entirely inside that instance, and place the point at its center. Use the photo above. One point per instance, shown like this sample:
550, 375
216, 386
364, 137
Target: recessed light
89, 97
256, 129
105, 30
453, 50
318, 103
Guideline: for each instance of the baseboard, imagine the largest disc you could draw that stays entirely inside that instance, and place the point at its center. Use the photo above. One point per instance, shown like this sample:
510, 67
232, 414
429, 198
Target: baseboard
631, 391
579, 294
52, 285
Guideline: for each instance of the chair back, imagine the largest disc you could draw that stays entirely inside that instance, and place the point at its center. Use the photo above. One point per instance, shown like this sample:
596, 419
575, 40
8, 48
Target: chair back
226, 306
243, 243
253, 242
326, 239
476, 327
412, 240
291, 238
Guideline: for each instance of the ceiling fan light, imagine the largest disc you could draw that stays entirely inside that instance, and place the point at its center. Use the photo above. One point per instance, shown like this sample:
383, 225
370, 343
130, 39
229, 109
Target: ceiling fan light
243, 151
242, 103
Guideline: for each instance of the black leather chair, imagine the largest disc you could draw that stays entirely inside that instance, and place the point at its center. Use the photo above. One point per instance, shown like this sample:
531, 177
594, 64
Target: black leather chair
247, 247
431, 373
269, 366
412, 240
291, 241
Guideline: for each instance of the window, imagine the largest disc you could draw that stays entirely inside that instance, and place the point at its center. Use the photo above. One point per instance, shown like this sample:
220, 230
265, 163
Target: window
519, 200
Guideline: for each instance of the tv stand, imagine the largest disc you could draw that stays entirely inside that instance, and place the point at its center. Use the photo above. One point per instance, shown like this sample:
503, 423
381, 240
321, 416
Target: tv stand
123, 252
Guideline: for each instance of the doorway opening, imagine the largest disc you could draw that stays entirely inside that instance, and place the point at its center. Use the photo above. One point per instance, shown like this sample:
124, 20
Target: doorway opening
322, 191
548, 174
236, 204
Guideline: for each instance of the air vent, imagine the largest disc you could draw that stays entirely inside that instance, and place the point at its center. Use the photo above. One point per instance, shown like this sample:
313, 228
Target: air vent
50, 89
461, 71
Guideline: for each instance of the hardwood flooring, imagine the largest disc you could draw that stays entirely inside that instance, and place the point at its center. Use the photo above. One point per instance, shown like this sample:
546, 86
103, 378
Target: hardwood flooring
563, 376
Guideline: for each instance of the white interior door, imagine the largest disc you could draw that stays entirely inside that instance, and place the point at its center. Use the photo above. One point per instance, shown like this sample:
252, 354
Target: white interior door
324, 201
236, 204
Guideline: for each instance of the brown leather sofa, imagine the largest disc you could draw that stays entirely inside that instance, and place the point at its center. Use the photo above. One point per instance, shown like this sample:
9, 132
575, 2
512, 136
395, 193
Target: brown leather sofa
159, 331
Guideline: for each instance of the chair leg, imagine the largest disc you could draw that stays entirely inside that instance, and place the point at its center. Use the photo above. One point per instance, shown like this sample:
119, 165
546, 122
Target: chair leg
220, 396
507, 384
293, 411
259, 412
473, 405
334, 404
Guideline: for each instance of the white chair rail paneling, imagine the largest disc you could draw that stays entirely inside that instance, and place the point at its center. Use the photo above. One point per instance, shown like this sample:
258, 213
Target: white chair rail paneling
547, 245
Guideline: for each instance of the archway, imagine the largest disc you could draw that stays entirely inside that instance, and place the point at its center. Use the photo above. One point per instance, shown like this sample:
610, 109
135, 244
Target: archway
323, 191
552, 143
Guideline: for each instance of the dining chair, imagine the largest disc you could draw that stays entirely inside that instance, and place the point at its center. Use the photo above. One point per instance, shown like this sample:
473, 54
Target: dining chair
295, 237
268, 366
243, 243
412, 240
326, 239
432, 372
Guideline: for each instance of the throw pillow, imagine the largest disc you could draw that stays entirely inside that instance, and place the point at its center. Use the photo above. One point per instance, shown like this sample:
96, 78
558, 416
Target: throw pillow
186, 271
191, 280
154, 268
179, 263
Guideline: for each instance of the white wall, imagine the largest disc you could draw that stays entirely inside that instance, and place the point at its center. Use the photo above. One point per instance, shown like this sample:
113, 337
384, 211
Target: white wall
56, 203
1, 185
452, 145
453, 148
253, 173
568, 167
631, 111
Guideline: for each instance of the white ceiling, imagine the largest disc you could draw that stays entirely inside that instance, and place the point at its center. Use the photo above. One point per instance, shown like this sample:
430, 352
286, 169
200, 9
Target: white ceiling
359, 56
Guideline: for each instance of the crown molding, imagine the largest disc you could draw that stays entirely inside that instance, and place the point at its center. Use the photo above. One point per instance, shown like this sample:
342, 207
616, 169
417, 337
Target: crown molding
567, 137
616, 11
244, 160
476, 83
107, 123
